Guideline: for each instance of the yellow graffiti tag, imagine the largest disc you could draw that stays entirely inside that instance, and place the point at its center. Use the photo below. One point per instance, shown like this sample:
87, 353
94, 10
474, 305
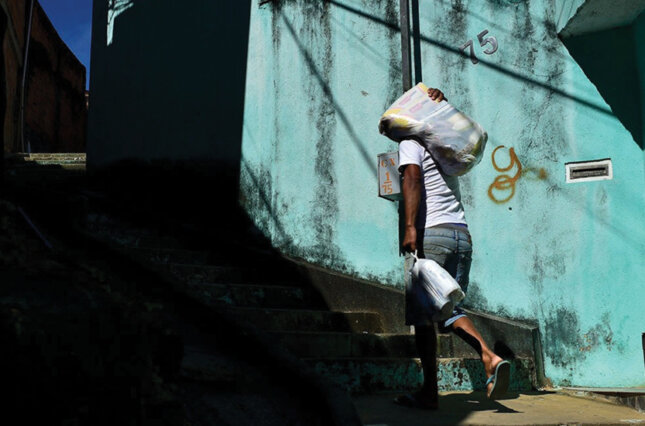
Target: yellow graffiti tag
505, 182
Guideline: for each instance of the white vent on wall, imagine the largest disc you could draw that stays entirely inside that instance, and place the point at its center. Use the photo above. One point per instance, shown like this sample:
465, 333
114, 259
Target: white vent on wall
585, 171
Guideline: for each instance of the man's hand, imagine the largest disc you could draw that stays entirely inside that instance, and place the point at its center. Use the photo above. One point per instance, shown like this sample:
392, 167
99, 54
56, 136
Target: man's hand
410, 239
436, 95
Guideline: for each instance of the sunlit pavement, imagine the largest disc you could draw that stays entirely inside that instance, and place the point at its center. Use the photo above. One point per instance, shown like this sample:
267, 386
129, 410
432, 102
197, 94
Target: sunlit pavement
472, 408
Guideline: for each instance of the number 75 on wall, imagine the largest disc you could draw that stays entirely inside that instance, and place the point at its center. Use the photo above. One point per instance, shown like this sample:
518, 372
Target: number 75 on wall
483, 41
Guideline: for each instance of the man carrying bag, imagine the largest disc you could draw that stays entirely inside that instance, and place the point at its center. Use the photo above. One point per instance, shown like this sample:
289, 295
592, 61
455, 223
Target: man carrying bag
436, 228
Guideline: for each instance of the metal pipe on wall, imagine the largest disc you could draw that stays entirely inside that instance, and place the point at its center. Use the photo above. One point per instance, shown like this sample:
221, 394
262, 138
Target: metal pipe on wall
406, 71
23, 84
416, 38
406, 57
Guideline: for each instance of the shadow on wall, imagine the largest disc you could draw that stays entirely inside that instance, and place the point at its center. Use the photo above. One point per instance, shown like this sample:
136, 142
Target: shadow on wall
168, 81
608, 58
533, 83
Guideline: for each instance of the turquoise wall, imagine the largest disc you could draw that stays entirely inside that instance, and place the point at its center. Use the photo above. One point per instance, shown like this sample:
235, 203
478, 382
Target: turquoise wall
304, 84
566, 255
639, 37
320, 74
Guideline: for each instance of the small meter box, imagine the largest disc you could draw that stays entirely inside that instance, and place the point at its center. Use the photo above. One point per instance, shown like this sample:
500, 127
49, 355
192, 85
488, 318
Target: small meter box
389, 180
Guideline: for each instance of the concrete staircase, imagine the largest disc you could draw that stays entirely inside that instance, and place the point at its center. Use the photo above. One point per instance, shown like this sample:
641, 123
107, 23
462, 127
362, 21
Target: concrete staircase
45, 167
68, 160
263, 291
51, 157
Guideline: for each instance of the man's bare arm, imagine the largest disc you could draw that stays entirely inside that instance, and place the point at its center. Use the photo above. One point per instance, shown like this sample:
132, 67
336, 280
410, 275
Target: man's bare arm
411, 200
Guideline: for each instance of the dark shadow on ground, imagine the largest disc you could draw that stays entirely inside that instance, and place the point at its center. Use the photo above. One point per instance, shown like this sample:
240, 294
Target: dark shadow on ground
177, 201
196, 203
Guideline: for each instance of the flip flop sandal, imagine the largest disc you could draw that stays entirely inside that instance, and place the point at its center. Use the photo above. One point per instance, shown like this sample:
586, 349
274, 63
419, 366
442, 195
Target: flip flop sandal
500, 380
410, 400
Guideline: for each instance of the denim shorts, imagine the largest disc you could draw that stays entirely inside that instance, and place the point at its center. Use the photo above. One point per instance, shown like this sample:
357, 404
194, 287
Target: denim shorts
451, 247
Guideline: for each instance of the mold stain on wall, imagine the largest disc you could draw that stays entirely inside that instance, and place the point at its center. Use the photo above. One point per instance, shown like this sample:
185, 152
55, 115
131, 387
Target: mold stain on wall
276, 39
325, 210
392, 18
567, 345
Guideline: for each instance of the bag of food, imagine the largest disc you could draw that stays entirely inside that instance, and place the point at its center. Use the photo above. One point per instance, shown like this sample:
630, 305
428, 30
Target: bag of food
436, 289
455, 141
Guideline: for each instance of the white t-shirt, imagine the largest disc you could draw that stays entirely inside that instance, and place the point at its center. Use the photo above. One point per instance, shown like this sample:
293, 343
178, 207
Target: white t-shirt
441, 192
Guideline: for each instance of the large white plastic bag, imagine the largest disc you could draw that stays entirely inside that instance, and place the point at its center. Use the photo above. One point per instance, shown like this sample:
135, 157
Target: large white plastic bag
435, 288
455, 141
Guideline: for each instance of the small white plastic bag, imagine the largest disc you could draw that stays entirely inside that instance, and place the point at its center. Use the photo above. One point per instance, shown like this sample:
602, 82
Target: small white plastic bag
436, 289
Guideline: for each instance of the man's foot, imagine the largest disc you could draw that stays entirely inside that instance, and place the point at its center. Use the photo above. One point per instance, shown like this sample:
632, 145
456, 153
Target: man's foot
491, 361
417, 400
497, 383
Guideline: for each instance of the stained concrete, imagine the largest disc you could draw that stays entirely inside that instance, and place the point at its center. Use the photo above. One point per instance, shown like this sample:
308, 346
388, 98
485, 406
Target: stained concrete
472, 408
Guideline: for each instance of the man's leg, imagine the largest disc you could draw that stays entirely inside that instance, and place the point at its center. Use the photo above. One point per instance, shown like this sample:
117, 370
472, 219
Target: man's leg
426, 343
464, 328
426, 340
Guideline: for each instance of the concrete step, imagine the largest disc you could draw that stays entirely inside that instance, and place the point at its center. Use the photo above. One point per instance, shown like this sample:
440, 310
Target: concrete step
451, 346
45, 175
248, 295
309, 320
345, 345
48, 158
200, 366
41, 156
164, 255
129, 238
202, 274
44, 167
170, 254
147, 241
373, 375
321, 343
53, 162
